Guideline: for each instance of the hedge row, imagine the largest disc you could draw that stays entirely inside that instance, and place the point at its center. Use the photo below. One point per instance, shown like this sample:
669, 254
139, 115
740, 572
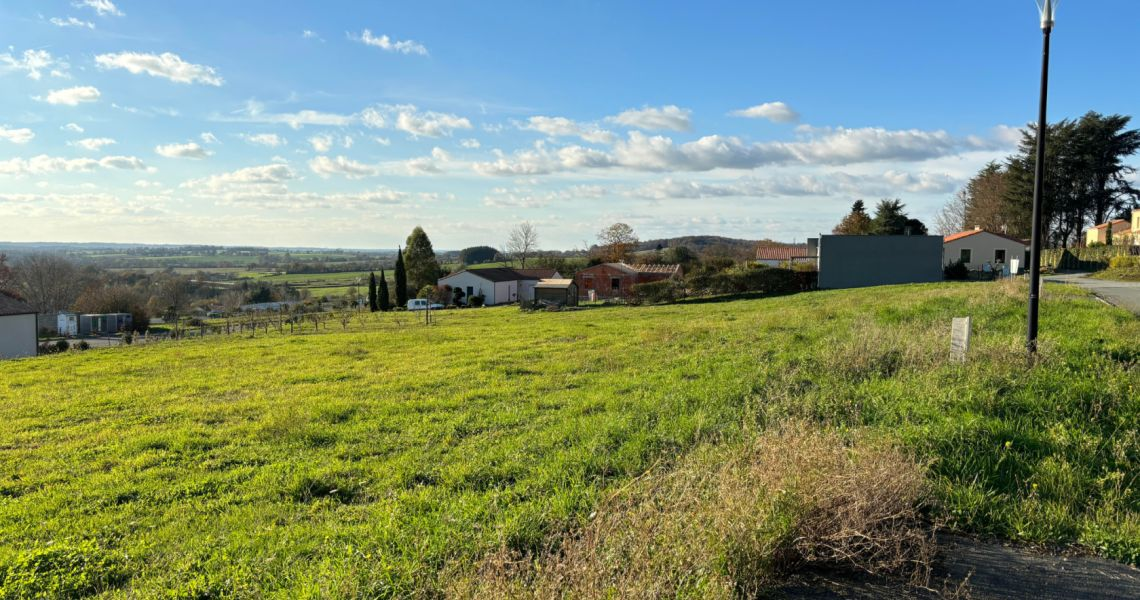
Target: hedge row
733, 281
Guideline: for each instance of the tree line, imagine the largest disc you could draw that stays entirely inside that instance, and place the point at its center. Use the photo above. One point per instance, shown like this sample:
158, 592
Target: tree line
1087, 182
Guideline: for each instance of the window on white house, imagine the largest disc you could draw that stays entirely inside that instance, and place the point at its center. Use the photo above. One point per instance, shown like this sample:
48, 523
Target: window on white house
999, 255
965, 256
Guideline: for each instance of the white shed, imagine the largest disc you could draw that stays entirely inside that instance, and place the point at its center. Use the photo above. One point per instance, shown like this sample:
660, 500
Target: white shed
17, 328
67, 324
497, 285
979, 247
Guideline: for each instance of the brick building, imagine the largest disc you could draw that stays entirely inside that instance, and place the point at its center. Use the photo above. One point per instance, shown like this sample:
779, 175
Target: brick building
615, 280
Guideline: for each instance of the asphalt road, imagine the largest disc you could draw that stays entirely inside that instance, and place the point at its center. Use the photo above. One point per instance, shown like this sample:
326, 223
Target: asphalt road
1125, 294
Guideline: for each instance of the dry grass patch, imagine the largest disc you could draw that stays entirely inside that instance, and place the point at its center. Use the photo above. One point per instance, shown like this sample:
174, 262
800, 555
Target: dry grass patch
730, 521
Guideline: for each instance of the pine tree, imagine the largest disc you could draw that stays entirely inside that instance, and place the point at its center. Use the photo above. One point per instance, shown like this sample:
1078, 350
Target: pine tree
384, 301
856, 222
890, 218
419, 260
372, 292
401, 281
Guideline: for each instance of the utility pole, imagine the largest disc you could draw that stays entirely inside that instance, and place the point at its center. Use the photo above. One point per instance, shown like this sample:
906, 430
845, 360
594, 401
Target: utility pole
1047, 21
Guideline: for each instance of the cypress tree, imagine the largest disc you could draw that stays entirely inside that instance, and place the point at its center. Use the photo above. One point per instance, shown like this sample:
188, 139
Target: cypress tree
420, 261
384, 301
372, 292
401, 281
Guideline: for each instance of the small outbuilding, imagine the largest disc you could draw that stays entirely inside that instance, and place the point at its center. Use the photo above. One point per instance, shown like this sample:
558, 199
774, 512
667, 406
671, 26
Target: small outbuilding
104, 324
498, 285
67, 324
609, 281
559, 292
17, 328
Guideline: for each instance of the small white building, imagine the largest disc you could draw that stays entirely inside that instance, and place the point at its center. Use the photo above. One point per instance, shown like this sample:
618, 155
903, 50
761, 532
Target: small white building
67, 324
17, 328
978, 247
498, 285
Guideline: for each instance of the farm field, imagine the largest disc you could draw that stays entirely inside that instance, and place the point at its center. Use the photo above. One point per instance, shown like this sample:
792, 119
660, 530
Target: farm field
393, 459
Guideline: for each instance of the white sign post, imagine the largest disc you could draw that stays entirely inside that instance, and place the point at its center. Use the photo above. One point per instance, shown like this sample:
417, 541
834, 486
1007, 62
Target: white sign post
1014, 266
959, 339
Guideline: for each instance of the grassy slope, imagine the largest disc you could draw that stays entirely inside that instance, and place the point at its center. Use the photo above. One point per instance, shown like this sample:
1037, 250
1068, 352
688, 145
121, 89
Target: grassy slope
210, 466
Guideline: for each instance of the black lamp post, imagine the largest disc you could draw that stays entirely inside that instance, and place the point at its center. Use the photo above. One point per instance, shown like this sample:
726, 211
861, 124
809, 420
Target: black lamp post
1047, 14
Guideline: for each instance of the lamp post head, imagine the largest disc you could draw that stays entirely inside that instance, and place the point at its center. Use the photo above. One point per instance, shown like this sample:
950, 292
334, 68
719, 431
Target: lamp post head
1048, 12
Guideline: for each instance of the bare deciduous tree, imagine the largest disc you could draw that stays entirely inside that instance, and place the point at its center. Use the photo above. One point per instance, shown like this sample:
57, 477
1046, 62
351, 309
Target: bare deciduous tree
522, 243
952, 218
48, 282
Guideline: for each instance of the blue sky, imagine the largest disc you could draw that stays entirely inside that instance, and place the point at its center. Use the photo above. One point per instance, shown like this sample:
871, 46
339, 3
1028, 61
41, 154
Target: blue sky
345, 124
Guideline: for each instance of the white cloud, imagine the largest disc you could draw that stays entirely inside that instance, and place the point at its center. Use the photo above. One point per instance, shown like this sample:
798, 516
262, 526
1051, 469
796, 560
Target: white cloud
71, 22
669, 117
309, 34
146, 184
837, 146
43, 163
372, 118
888, 183
777, 112
72, 127
524, 197
101, 7
1007, 136
563, 127
166, 65
16, 136
187, 150
347, 141
263, 175
321, 143
470, 143
271, 140
428, 164
254, 112
385, 43
325, 167
72, 96
428, 124
34, 63
92, 144
208, 138
383, 141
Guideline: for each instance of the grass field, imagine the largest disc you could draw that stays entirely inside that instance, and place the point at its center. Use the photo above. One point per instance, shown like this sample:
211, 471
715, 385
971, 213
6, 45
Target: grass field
386, 460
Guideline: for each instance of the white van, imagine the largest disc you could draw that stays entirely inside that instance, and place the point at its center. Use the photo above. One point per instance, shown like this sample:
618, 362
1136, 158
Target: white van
422, 304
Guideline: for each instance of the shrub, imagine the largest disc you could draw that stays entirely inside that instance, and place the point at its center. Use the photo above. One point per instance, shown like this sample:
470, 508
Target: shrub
955, 271
83, 345
657, 292
745, 279
1124, 262
476, 301
62, 346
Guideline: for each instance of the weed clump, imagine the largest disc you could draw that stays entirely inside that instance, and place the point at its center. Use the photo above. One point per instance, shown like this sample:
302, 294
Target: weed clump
730, 521
62, 570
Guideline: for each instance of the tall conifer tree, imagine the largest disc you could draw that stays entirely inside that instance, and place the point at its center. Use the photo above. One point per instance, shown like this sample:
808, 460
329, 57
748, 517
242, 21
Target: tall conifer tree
372, 306
383, 299
401, 280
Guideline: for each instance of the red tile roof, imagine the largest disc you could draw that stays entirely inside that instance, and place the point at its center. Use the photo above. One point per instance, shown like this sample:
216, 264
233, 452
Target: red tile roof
961, 234
783, 252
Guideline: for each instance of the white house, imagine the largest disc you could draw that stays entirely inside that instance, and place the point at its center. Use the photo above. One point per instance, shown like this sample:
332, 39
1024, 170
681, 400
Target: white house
498, 285
978, 247
17, 328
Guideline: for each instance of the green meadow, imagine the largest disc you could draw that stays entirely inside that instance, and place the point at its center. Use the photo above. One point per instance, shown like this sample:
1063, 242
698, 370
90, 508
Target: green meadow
390, 459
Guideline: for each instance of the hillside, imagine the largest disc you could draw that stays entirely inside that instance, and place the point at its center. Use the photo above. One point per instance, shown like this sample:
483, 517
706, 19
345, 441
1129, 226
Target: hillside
700, 243
394, 459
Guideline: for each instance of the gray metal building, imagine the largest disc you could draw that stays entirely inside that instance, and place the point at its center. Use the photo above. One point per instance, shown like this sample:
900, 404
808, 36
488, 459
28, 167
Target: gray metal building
849, 261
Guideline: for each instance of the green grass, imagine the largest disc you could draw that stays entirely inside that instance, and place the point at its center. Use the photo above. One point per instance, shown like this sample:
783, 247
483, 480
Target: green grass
1121, 274
367, 462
